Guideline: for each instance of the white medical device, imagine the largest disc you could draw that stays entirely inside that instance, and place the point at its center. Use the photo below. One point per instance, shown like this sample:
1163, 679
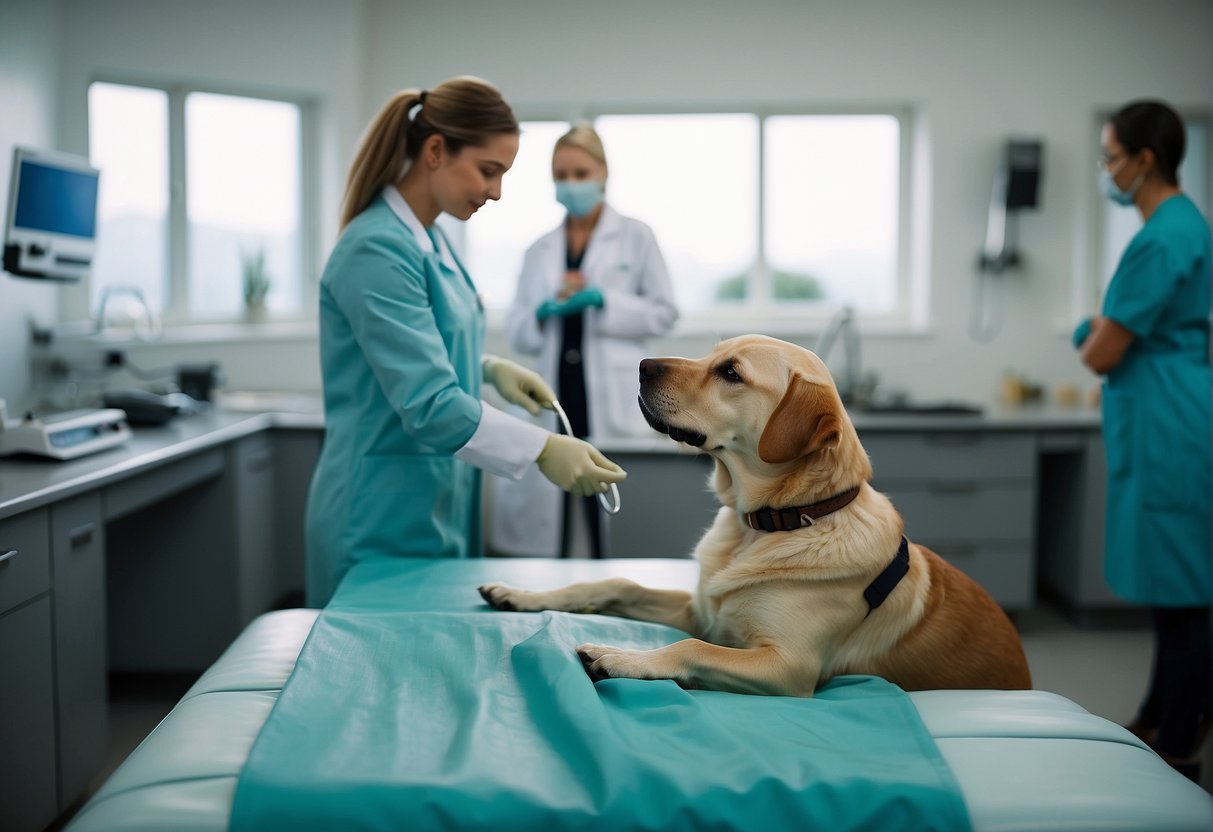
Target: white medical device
606, 504
65, 435
51, 223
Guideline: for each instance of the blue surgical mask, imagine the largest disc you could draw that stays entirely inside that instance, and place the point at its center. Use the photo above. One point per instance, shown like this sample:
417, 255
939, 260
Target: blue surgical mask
1107, 184
580, 198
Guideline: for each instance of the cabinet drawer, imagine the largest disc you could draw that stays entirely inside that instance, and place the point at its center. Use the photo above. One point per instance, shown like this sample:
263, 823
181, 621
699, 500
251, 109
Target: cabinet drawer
78, 564
941, 454
1003, 568
27, 719
143, 490
25, 572
965, 509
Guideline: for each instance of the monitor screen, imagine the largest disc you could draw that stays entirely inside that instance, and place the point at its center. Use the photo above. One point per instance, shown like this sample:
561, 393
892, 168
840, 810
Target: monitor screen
56, 199
52, 215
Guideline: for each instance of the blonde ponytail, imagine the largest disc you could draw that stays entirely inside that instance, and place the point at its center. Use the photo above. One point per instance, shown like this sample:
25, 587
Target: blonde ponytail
382, 155
464, 111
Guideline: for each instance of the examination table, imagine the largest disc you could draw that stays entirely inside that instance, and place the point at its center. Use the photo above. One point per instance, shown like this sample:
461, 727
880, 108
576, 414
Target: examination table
1020, 759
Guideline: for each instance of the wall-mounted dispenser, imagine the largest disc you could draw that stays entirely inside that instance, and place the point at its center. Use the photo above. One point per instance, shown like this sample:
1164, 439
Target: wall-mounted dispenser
1016, 186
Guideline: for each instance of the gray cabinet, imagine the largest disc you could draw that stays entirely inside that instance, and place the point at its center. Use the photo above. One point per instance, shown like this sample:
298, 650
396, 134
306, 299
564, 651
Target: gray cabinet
970, 496
251, 467
295, 454
1072, 508
78, 567
25, 569
171, 566
667, 505
28, 799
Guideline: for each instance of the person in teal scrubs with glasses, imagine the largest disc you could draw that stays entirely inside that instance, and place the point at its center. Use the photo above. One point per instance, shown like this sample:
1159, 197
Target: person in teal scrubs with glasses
401, 349
1151, 343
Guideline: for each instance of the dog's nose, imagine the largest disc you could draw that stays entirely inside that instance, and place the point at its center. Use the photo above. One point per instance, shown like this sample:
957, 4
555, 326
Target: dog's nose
650, 368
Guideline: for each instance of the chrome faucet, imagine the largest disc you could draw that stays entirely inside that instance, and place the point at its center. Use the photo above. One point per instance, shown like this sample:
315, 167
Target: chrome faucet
842, 324
153, 326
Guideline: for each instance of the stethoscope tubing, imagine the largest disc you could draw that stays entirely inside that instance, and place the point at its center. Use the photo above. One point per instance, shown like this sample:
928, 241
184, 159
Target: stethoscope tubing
610, 505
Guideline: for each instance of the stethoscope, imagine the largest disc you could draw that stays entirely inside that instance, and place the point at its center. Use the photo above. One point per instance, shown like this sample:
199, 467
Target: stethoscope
603, 500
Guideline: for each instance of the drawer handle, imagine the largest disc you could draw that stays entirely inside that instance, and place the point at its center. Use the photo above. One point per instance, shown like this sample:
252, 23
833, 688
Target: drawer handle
952, 486
81, 535
10, 554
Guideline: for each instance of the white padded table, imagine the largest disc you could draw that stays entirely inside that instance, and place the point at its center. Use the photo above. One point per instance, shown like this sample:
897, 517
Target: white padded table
1023, 759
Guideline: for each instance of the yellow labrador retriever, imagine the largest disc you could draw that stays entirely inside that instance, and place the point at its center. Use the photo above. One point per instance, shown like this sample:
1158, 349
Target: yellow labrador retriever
805, 573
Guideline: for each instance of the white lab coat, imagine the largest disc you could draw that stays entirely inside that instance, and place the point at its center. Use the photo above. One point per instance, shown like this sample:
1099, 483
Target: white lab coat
623, 261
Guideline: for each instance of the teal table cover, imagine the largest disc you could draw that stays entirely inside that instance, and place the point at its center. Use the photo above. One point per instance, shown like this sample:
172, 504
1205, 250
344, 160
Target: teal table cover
415, 706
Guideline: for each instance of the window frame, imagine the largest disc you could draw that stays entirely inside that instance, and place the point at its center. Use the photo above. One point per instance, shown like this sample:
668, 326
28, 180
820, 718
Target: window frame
176, 312
758, 306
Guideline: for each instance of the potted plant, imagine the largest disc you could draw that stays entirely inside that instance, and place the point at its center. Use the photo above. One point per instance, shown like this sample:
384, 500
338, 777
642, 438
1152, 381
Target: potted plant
257, 285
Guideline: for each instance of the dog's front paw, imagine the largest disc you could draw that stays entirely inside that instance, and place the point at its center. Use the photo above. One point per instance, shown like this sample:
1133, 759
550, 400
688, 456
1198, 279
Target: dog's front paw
602, 662
508, 598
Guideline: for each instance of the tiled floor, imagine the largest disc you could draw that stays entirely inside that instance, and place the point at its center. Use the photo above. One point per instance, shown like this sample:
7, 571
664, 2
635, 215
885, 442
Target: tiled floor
1105, 669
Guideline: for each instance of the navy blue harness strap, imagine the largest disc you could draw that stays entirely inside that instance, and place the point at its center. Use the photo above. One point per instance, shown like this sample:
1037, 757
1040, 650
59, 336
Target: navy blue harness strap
884, 583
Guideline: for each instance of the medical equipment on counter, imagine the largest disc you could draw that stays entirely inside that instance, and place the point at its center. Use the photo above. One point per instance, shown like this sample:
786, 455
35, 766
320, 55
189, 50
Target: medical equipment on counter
51, 224
143, 407
602, 498
66, 435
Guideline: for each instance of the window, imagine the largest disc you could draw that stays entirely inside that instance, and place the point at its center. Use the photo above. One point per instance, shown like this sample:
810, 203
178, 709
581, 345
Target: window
694, 179
831, 208
128, 143
499, 234
773, 215
185, 212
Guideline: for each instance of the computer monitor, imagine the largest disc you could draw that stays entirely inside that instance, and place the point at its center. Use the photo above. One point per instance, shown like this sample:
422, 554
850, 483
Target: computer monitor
51, 225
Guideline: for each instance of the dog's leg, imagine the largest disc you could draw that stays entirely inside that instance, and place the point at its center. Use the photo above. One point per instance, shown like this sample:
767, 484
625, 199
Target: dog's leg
614, 596
698, 664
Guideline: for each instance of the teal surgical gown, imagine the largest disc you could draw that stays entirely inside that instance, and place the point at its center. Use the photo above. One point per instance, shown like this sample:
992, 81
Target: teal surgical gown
1156, 415
401, 342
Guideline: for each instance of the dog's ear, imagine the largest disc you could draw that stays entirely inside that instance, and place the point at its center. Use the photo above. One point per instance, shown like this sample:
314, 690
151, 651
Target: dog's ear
805, 421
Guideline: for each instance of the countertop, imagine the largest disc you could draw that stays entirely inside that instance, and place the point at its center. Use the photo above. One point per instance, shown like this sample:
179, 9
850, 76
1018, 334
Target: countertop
29, 483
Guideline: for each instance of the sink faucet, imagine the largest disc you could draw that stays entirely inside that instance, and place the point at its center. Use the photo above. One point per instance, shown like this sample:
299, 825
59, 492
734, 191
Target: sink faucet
842, 324
152, 326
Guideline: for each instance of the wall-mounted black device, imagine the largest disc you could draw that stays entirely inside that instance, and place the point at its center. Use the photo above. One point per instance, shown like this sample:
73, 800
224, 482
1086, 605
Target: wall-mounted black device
1016, 186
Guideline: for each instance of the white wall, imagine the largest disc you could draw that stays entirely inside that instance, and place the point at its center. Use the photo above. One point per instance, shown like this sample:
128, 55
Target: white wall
975, 73
29, 51
306, 49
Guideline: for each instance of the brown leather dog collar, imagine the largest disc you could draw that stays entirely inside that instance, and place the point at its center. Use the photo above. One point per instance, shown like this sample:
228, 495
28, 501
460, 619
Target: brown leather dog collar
795, 517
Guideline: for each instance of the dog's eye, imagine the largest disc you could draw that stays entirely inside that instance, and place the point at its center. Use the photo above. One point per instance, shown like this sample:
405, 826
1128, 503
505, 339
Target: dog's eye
729, 373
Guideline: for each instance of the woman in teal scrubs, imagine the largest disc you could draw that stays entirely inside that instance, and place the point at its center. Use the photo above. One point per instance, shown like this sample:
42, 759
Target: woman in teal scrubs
401, 349
1152, 345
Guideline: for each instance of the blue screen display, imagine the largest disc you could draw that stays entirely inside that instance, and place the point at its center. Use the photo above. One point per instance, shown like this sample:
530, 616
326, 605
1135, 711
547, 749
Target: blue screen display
56, 200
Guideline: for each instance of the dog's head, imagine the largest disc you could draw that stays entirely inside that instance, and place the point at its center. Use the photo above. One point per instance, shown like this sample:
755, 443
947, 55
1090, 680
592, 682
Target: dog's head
759, 405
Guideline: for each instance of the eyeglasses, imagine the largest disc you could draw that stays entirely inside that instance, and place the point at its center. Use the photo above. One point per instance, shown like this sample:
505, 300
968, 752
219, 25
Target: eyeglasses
1106, 162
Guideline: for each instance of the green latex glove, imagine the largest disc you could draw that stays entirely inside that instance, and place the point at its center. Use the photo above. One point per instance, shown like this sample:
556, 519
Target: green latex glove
577, 466
591, 296
518, 385
572, 305
1081, 332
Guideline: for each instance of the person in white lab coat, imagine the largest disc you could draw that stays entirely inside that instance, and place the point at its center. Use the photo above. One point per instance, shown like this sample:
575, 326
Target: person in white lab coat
590, 294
